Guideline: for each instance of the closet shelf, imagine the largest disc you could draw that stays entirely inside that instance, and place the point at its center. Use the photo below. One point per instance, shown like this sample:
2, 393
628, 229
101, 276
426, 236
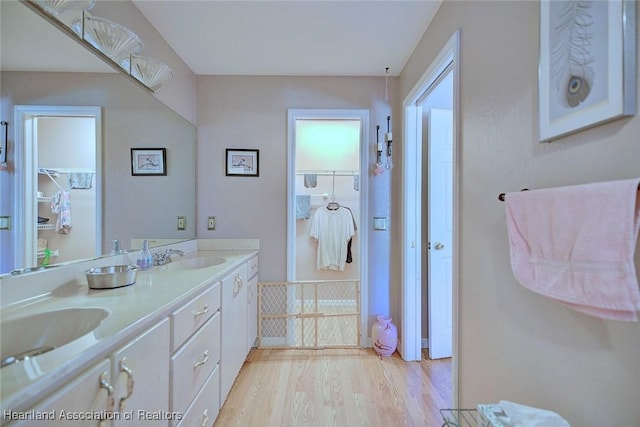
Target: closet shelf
46, 227
329, 172
57, 171
45, 199
54, 252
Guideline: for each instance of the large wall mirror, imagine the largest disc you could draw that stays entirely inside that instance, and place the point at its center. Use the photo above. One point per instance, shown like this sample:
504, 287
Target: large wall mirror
42, 66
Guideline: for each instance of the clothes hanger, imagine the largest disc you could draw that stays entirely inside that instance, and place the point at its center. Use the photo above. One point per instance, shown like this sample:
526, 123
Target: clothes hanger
333, 205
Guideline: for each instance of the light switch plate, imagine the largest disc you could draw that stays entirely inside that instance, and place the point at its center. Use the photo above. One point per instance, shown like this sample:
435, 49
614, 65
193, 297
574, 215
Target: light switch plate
211, 223
182, 223
379, 223
5, 223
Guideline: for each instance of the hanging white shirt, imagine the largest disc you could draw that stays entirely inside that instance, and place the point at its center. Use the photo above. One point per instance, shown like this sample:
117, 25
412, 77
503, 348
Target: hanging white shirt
332, 229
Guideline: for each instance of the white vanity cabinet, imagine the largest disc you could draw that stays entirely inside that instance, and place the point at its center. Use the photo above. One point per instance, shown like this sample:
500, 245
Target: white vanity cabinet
140, 370
87, 394
234, 328
195, 361
172, 366
252, 302
127, 388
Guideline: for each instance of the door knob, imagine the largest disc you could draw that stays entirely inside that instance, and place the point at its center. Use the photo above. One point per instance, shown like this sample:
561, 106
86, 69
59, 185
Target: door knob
438, 246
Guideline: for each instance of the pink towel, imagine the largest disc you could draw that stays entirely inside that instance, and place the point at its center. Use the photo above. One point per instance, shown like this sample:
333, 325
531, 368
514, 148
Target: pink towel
576, 245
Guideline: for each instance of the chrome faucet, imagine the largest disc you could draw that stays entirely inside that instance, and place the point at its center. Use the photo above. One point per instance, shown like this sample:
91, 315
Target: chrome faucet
162, 258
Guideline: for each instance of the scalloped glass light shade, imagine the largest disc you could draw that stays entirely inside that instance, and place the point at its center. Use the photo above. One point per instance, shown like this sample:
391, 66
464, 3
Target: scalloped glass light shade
149, 71
56, 7
112, 39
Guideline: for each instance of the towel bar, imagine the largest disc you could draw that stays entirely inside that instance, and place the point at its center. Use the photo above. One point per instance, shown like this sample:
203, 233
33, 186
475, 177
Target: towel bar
501, 196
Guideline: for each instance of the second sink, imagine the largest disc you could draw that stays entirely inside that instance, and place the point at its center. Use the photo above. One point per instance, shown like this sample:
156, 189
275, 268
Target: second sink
30, 336
195, 263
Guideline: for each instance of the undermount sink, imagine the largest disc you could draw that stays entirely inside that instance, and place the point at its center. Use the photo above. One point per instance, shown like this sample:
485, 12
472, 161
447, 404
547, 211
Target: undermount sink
195, 263
30, 336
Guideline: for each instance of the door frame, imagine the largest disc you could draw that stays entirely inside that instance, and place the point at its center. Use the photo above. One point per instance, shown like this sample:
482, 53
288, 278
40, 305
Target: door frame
363, 220
27, 183
411, 254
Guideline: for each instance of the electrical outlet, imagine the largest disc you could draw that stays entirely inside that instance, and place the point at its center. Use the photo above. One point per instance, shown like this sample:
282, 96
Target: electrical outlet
211, 223
182, 223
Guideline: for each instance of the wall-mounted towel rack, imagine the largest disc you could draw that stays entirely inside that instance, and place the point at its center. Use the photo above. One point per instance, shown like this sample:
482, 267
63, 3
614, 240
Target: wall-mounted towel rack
502, 196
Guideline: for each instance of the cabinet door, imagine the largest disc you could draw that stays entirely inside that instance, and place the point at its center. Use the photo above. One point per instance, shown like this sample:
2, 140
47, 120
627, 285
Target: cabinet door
233, 328
252, 312
141, 378
89, 395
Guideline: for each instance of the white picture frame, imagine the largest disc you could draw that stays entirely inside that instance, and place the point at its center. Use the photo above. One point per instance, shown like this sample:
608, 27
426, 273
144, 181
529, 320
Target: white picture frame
587, 65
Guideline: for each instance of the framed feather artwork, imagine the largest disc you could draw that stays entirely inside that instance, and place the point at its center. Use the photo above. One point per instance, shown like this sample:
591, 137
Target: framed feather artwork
587, 68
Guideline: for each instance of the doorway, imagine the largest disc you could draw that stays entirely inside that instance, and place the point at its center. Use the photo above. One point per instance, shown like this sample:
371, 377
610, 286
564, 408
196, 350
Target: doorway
327, 151
60, 150
420, 238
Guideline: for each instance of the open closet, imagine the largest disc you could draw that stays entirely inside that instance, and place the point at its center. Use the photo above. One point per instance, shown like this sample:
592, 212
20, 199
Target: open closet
62, 197
327, 205
59, 191
320, 304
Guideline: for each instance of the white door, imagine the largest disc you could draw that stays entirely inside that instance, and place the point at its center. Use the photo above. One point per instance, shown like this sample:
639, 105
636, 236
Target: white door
440, 232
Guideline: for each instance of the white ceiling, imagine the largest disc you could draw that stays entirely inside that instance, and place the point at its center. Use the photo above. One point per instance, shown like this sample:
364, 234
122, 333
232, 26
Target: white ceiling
296, 37
303, 37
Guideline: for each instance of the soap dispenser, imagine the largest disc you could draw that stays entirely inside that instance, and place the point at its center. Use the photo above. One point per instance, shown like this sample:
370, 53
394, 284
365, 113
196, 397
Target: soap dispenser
116, 248
145, 259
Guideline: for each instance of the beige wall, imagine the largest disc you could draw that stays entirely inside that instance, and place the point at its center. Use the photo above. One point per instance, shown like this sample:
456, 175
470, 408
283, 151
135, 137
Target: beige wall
514, 344
251, 112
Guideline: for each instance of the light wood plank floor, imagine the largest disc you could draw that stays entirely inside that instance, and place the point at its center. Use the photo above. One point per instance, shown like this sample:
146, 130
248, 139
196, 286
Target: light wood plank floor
336, 387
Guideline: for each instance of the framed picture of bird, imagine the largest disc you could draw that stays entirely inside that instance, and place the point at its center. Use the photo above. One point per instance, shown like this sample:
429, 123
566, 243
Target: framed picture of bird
148, 161
587, 65
242, 162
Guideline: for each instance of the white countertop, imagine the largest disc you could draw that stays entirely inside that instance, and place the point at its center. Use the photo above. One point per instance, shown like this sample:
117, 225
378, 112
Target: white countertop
132, 309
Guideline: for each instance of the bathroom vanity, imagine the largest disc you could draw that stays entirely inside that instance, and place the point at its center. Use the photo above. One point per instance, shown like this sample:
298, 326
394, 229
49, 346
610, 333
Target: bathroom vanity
166, 354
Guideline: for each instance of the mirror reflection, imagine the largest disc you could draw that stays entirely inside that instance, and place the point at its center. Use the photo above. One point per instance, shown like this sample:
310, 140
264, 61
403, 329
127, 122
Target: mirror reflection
34, 73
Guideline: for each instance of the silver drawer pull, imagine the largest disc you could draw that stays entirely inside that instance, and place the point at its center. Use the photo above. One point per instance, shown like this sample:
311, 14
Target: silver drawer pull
130, 383
204, 360
204, 311
104, 384
205, 418
237, 285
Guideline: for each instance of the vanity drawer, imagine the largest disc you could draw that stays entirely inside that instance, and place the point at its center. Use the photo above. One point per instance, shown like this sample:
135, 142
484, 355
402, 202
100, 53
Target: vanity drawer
193, 363
187, 319
205, 408
253, 266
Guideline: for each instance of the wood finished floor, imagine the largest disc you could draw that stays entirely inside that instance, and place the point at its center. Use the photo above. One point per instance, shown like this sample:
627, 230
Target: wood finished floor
336, 387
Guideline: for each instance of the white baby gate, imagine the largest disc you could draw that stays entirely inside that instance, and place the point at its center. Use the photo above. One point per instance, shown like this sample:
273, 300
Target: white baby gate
309, 314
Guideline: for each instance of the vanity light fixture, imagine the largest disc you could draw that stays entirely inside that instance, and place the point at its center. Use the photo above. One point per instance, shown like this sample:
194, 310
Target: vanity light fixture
109, 41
